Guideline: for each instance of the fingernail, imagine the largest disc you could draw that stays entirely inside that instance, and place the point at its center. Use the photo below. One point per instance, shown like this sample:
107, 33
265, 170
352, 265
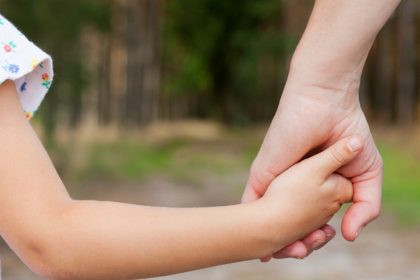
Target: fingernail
317, 244
354, 144
330, 236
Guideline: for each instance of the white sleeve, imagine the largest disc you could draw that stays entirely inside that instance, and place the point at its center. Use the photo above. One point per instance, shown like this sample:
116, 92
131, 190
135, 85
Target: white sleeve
27, 65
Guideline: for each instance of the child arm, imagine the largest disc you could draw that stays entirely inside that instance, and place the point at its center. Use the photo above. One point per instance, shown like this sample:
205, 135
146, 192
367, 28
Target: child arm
62, 238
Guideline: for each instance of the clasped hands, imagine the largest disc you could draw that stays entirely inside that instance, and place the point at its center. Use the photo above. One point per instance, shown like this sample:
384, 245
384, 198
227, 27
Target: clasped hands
310, 138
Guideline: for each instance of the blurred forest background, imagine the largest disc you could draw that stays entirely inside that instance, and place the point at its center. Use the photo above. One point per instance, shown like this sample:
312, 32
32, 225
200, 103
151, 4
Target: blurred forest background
166, 103
131, 63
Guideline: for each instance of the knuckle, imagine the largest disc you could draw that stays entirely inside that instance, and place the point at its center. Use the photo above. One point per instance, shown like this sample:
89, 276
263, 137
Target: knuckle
339, 188
332, 182
337, 155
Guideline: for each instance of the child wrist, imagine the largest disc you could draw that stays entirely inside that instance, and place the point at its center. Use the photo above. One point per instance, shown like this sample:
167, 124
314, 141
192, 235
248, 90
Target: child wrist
270, 226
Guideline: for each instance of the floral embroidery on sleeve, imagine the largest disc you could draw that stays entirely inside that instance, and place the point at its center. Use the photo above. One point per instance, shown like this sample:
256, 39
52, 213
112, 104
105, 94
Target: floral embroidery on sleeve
26, 64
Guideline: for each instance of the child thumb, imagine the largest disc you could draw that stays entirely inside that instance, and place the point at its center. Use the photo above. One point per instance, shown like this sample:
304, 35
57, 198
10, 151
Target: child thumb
338, 155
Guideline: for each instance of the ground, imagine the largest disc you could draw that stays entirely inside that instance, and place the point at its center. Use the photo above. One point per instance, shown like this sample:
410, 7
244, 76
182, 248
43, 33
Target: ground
209, 169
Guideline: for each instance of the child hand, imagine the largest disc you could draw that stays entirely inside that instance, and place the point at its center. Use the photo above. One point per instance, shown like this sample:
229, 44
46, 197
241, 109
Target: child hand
307, 195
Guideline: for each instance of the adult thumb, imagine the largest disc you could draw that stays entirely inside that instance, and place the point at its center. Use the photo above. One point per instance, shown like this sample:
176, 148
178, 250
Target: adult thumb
336, 156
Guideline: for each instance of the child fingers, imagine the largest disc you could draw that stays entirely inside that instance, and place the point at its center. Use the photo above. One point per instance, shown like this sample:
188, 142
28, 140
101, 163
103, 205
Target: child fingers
336, 156
340, 187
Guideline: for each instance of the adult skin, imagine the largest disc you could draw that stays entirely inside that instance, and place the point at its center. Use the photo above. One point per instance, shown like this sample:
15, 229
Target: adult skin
320, 105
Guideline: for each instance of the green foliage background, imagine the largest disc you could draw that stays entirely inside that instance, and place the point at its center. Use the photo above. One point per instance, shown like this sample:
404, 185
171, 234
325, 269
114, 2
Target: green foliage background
214, 48
56, 26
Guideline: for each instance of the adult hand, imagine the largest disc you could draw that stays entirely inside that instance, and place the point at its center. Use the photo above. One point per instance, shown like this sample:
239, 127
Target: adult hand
313, 117
320, 106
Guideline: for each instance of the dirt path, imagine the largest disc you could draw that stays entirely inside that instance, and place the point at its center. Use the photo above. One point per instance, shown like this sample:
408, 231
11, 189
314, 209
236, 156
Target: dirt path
383, 251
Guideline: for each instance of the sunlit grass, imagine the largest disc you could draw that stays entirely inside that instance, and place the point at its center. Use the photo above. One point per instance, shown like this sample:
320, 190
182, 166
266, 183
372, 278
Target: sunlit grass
192, 162
401, 192
127, 160
179, 160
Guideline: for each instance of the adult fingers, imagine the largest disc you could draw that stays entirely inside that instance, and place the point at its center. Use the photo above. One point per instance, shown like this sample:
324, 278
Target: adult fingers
265, 259
250, 194
329, 235
304, 247
319, 238
365, 208
297, 250
267, 166
281, 149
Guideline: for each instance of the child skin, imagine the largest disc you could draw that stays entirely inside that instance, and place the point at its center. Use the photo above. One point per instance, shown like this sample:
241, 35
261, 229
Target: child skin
62, 238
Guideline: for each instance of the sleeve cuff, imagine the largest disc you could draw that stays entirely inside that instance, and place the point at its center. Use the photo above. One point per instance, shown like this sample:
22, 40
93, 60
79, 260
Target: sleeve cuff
31, 69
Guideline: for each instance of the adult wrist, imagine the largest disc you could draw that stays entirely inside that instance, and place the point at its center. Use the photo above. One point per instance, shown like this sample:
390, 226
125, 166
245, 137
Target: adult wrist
329, 73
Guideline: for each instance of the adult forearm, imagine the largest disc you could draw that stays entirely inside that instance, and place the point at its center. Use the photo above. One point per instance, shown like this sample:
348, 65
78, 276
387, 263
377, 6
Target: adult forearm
108, 240
338, 38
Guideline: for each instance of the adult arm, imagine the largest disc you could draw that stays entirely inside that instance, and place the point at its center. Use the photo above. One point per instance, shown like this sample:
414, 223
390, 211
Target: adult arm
320, 105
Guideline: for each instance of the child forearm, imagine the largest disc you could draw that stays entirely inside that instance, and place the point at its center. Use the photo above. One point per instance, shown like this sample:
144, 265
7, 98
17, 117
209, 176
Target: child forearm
107, 240
60, 238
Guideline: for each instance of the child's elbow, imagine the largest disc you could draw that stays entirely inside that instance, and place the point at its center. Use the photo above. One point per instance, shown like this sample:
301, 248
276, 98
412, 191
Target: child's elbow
46, 259
43, 246
48, 269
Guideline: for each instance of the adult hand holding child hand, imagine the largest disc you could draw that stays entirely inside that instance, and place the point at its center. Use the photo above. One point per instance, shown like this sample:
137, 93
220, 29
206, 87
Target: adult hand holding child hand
308, 194
311, 118
320, 106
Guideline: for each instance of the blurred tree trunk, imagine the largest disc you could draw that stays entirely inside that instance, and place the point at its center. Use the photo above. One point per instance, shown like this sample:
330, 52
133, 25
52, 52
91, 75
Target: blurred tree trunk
93, 43
418, 61
383, 76
220, 72
113, 90
143, 39
406, 63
